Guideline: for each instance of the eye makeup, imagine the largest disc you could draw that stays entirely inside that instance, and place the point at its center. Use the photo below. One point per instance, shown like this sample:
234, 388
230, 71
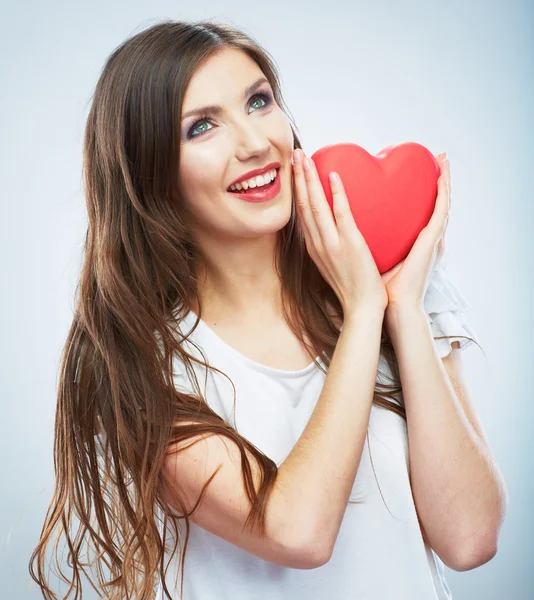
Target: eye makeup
266, 97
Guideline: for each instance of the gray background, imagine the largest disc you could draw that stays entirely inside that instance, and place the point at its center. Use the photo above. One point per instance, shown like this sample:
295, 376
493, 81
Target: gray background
454, 76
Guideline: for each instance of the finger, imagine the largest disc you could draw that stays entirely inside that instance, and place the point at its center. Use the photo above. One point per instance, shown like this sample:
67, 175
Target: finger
441, 209
449, 182
304, 229
319, 207
344, 219
302, 202
441, 244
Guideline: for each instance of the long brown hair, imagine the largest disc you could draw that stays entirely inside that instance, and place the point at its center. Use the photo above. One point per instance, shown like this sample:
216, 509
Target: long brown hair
118, 409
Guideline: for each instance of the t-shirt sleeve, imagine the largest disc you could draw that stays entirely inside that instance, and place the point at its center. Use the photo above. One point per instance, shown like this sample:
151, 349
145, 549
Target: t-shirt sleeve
446, 308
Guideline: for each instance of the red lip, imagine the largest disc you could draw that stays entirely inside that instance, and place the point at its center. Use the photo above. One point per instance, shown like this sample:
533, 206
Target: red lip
254, 172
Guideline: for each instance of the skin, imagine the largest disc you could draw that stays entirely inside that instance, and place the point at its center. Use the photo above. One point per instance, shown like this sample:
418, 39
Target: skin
459, 492
237, 239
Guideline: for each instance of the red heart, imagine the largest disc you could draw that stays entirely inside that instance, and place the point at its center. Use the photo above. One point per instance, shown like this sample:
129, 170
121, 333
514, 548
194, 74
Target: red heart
392, 195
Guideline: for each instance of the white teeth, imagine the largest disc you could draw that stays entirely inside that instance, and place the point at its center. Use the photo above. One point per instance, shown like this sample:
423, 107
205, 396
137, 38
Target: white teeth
257, 181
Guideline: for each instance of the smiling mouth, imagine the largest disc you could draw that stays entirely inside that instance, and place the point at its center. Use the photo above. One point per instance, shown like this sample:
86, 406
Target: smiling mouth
256, 189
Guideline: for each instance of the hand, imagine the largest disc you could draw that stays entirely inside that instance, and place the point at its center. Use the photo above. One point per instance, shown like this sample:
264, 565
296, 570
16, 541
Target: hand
407, 281
334, 241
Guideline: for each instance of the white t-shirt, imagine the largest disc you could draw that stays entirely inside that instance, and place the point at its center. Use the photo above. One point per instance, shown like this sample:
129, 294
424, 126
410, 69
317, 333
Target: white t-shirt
378, 554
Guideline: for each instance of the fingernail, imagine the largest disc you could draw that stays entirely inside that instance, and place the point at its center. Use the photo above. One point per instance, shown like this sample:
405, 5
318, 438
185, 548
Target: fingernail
297, 156
307, 164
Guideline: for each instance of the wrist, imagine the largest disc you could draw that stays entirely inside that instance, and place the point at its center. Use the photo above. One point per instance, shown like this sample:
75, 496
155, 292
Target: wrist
366, 312
396, 308
399, 315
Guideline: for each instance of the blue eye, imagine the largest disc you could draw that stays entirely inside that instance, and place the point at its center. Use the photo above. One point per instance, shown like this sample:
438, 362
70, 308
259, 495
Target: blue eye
267, 98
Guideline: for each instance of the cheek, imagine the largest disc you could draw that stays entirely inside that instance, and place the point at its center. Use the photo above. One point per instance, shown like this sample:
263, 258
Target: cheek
200, 178
284, 133
199, 174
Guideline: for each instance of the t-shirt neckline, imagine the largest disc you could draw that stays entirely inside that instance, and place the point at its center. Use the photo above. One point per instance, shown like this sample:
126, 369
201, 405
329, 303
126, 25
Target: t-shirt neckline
206, 329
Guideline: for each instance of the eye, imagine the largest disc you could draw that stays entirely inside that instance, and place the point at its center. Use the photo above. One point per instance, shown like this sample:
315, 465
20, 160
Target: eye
204, 119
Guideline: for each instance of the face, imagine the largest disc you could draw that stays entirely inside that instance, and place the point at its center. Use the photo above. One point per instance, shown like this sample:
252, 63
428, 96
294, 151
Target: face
248, 133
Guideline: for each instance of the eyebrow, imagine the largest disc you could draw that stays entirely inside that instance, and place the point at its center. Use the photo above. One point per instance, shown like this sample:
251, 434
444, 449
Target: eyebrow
217, 110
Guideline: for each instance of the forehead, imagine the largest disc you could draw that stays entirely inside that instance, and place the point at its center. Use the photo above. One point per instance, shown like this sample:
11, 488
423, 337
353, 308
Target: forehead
221, 78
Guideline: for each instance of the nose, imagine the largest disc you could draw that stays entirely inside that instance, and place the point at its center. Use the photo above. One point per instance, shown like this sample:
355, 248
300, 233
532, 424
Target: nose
251, 140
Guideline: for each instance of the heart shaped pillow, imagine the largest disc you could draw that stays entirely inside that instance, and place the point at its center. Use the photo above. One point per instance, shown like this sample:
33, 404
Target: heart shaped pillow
391, 195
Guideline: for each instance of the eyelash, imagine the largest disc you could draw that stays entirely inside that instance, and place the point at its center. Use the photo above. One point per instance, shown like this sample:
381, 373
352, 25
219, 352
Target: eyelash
206, 118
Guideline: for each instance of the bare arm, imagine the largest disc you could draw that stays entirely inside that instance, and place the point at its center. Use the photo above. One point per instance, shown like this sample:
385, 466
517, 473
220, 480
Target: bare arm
316, 479
311, 492
459, 491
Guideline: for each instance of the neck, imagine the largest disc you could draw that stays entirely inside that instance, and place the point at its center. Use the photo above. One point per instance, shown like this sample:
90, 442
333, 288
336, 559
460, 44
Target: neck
240, 281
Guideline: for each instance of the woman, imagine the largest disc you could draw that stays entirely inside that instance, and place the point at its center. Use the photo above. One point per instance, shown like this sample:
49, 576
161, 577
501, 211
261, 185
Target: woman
255, 482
